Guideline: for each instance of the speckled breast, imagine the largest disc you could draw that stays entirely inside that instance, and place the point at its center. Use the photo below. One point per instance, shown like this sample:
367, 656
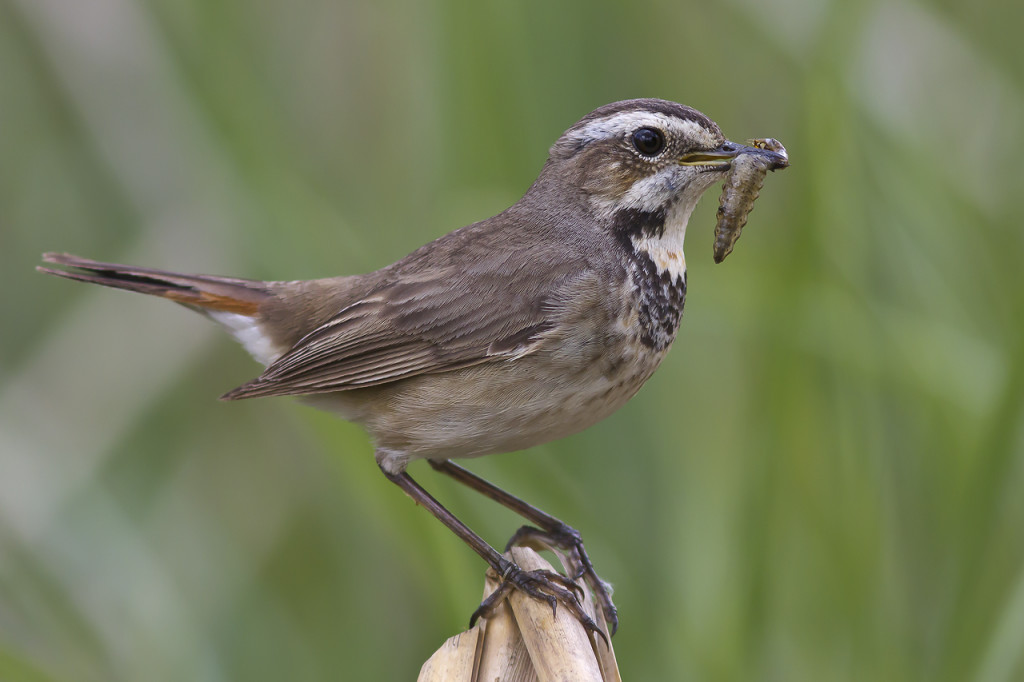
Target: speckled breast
659, 302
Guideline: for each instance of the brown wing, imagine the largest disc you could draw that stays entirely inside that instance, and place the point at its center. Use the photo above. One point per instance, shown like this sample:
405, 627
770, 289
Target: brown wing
423, 318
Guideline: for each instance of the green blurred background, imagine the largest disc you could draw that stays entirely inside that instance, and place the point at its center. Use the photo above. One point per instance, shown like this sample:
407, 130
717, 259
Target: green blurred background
825, 481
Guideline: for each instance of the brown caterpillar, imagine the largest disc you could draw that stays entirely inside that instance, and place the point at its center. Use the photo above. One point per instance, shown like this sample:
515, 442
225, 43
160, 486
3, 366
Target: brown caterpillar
741, 189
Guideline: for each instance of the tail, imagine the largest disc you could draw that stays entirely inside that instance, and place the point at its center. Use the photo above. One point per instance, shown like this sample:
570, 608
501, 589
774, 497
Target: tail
203, 292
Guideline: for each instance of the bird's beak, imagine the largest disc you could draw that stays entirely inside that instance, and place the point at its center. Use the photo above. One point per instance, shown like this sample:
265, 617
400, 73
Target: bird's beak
720, 158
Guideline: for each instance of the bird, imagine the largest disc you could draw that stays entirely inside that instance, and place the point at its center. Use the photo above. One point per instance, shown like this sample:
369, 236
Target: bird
504, 334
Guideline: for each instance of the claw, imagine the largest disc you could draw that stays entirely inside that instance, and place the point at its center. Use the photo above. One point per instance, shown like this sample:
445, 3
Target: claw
553, 603
567, 583
552, 588
488, 605
579, 565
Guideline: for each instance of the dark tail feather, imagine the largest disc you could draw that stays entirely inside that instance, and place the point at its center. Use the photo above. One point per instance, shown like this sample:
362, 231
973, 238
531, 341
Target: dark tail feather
241, 296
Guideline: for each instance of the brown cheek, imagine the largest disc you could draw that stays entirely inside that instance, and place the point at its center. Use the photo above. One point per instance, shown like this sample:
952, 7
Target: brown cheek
610, 175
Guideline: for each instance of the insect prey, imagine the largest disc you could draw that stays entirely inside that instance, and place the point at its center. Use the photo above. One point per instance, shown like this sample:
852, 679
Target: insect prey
742, 187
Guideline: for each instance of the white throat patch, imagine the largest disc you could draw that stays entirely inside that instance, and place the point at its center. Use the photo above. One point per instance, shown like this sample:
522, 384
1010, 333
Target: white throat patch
666, 248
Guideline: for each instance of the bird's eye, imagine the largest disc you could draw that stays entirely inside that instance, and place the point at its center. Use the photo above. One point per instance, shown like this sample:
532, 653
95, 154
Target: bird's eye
649, 141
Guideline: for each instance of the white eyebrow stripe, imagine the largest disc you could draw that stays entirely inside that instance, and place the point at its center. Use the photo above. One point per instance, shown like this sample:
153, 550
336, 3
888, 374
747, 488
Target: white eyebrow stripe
617, 125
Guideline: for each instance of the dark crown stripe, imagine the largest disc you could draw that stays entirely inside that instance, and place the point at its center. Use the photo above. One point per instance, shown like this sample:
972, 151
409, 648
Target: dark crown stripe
660, 106
569, 144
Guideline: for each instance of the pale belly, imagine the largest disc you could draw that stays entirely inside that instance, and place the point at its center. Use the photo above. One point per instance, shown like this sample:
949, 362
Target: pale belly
592, 362
493, 407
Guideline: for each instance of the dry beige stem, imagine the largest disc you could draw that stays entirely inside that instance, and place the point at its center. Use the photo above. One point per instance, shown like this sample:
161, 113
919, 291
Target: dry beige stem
455, 661
523, 642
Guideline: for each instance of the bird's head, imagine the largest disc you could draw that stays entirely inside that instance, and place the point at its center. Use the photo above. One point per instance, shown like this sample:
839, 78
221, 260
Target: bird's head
639, 167
642, 155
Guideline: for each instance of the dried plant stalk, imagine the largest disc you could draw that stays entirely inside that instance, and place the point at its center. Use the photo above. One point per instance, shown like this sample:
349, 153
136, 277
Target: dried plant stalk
455, 661
522, 641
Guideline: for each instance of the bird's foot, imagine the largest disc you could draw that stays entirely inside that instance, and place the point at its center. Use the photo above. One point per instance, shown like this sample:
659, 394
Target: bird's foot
547, 586
576, 560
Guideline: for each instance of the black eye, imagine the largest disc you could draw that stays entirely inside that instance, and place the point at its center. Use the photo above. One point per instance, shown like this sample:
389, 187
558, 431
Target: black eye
648, 141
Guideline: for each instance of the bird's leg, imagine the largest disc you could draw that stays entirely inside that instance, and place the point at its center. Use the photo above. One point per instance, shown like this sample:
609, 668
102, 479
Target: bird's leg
551, 530
547, 586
